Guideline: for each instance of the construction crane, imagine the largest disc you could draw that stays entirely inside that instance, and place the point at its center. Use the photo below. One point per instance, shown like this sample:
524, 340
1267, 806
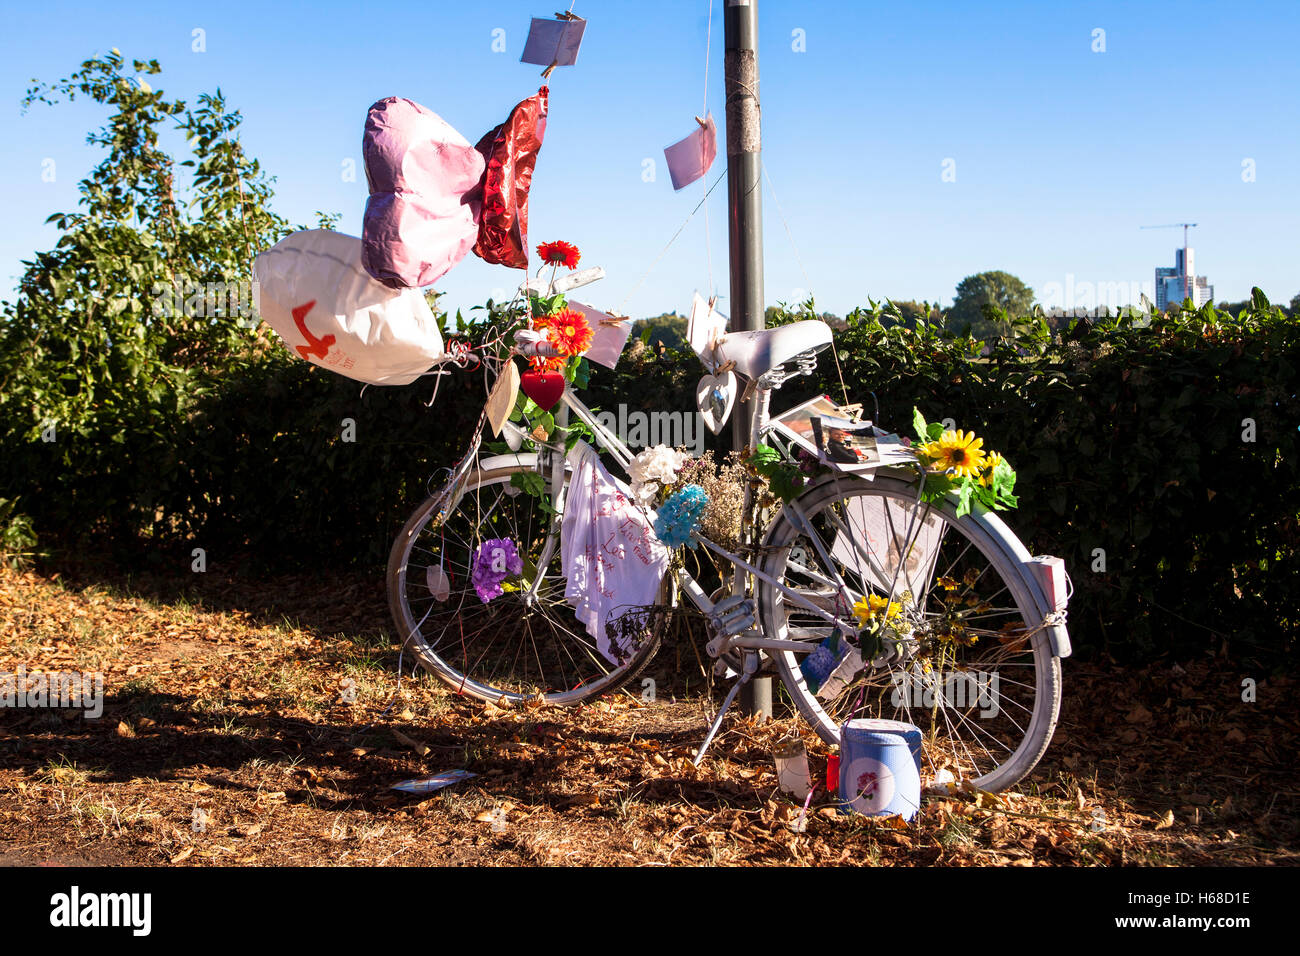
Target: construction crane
1187, 272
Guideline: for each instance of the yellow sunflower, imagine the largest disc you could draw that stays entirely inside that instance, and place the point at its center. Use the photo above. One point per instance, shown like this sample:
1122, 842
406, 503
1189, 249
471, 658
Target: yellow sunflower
991, 461
867, 608
958, 450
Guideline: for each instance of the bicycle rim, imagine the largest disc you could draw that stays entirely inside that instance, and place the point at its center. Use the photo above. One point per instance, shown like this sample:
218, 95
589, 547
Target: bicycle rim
524, 643
959, 651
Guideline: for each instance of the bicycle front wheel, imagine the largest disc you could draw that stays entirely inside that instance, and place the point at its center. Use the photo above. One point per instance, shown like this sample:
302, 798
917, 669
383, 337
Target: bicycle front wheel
950, 638
524, 643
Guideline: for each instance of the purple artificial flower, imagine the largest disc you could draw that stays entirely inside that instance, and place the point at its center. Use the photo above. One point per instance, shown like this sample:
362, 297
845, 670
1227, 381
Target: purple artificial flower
494, 561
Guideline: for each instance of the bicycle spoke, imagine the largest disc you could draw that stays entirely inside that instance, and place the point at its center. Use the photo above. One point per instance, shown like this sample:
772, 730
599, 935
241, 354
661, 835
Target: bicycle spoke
525, 640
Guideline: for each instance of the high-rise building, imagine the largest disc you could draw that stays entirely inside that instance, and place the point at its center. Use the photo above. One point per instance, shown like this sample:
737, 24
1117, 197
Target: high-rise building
1172, 284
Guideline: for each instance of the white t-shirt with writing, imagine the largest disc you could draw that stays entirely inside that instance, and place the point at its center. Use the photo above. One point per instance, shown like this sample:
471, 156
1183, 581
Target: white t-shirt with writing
611, 559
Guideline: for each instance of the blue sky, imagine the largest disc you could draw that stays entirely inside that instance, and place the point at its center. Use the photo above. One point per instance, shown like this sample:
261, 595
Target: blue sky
1059, 152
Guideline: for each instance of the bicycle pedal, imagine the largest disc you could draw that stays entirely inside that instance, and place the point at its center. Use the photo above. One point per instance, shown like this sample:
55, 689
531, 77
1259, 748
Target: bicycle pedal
732, 616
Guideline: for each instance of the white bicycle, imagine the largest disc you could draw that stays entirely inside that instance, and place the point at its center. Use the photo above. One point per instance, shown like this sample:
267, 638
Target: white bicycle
974, 649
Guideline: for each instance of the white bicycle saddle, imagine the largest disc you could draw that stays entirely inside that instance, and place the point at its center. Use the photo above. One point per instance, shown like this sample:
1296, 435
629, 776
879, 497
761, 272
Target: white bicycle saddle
757, 352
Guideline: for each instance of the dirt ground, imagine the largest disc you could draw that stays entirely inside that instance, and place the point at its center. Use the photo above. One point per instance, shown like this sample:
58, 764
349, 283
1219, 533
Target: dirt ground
225, 740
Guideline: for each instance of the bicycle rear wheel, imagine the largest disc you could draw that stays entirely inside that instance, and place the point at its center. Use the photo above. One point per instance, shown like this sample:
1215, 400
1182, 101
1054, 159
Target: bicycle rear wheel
522, 644
963, 652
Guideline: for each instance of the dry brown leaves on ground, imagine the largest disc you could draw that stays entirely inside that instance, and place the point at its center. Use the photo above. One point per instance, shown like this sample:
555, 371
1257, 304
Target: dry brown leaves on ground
234, 735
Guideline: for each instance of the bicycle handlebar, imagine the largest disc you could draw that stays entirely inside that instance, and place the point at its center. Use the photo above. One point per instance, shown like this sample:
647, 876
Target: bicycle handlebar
543, 287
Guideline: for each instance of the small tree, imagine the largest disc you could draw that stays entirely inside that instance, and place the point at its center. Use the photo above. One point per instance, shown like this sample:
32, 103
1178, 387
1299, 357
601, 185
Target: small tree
914, 312
668, 330
119, 328
979, 296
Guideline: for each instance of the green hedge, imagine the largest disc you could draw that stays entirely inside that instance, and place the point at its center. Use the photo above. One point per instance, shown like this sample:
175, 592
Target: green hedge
1128, 442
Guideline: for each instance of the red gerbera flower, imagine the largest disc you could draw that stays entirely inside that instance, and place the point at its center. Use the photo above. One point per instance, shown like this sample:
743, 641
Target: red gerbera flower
569, 332
559, 253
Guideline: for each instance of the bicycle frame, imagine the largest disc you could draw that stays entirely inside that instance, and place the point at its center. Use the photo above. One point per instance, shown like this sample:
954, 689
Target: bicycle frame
821, 573
804, 573
551, 462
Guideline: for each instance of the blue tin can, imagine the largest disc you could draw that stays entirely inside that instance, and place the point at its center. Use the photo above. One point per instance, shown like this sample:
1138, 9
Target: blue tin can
879, 774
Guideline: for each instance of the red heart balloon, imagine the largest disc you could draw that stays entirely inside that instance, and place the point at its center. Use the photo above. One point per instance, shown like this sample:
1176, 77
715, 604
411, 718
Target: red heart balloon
544, 388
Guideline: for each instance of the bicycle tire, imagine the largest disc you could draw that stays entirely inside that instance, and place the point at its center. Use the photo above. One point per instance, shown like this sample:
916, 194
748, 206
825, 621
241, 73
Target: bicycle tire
504, 648
1023, 640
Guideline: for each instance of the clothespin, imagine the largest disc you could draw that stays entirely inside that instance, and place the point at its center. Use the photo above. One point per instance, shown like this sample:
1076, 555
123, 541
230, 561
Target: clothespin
715, 339
716, 335
546, 73
703, 124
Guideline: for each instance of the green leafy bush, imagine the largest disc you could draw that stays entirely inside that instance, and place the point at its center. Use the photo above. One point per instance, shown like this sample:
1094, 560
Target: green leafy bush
136, 313
17, 537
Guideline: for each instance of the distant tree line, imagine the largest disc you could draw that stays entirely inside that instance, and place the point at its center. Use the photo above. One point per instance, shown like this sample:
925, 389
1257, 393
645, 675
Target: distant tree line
987, 302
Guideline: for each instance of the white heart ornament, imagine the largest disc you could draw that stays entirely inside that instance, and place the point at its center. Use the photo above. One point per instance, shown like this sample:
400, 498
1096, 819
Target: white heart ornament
714, 396
438, 584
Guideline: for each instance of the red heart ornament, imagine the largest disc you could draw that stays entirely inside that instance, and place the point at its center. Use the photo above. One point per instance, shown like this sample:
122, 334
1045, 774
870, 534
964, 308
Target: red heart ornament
544, 388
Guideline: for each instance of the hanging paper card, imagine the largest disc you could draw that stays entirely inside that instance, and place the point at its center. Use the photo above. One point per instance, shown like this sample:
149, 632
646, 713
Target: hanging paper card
611, 335
705, 328
554, 41
690, 158
879, 532
501, 400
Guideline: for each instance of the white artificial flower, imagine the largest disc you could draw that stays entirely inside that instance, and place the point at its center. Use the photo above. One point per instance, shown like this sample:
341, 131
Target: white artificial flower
652, 469
645, 493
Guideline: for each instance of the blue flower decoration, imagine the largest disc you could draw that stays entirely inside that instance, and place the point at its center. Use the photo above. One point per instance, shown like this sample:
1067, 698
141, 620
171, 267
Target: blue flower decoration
679, 516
